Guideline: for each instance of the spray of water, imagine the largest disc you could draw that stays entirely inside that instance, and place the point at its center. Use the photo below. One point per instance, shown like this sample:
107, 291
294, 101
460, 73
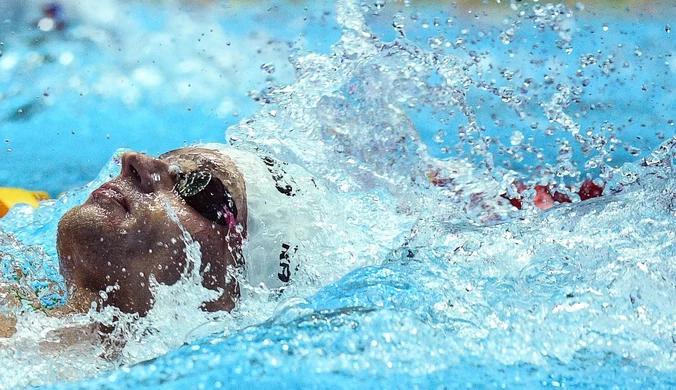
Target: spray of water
441, 270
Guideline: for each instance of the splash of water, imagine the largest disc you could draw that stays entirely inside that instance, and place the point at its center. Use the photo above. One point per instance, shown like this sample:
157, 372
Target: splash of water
554, 293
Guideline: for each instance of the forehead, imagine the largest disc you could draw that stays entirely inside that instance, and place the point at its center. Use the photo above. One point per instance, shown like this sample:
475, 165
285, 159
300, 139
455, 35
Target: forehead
194, 158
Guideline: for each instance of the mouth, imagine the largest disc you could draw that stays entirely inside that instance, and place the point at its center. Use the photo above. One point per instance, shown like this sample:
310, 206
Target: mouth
110, 193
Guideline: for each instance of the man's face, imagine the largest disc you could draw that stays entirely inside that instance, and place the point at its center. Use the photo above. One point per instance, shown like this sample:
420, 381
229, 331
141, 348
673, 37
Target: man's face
124, 232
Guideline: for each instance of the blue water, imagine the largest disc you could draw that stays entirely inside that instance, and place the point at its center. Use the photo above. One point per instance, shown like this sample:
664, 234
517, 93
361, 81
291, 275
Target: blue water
428, 287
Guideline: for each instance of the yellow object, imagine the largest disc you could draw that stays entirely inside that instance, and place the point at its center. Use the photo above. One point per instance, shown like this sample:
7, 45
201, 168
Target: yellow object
11, 196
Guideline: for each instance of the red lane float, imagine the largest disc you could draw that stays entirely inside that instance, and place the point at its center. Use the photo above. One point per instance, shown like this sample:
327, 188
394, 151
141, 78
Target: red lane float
545, 199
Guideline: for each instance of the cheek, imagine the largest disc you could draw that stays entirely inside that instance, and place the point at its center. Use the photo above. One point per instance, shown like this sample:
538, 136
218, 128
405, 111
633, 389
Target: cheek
161, 243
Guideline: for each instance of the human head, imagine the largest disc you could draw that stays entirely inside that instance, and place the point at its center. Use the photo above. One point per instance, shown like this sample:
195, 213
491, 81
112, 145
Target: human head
123, 233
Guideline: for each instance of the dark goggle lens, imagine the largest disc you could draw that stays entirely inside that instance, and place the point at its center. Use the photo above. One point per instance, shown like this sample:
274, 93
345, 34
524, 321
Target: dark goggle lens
207, 195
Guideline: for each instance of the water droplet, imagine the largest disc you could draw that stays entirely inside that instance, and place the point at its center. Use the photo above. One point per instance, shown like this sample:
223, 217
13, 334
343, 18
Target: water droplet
72, 131
46, 24
587, 59
667, 28
507, 36
605, 27
506, 94
398, 23
268, 68
517, 138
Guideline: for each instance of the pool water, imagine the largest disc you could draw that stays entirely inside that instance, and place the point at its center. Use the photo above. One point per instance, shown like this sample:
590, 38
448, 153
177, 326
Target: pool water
412, 281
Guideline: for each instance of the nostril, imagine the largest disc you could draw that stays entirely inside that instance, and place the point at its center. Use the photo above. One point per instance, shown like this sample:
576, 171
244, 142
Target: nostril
134, 173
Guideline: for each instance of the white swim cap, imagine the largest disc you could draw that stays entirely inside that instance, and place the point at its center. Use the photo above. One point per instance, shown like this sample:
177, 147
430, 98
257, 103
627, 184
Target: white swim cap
284, 213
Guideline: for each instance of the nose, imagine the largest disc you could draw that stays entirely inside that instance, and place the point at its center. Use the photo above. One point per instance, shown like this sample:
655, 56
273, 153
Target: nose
147, 173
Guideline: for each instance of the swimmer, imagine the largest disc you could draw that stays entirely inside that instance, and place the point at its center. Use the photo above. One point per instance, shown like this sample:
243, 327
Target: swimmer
130, 231
222, 197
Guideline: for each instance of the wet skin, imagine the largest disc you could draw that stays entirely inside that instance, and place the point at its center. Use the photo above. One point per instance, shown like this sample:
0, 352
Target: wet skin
123, 233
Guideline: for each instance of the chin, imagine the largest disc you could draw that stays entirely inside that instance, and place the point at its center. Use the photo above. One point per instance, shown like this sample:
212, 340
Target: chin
71, 242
